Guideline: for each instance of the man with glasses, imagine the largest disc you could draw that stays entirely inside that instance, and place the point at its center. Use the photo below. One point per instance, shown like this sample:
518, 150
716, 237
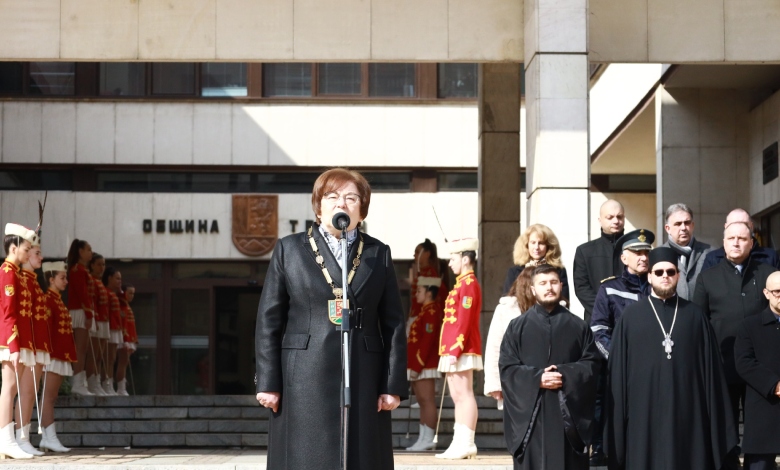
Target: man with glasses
615, 294
729, 292
757, 352
667, 402
692, 253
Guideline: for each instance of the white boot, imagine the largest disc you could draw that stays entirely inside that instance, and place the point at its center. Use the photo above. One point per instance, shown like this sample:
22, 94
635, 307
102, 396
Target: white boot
8, 445
121, 388
78, 384
462, 446
93, 385
108, 387
424, 441
50, 441
24, 441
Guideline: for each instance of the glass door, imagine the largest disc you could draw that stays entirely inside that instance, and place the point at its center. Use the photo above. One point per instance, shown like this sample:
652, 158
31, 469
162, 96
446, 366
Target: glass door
190, 330
236, 312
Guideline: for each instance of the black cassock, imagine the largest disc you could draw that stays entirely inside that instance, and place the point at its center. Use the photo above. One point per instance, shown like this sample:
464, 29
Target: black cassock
548, 429
666, 414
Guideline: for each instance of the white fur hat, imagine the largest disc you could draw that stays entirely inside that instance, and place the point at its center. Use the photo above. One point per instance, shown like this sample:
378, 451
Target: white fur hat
423, 281
464, 244
54, 266
23, 232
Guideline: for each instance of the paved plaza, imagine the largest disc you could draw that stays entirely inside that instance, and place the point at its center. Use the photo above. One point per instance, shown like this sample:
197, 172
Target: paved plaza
223, 459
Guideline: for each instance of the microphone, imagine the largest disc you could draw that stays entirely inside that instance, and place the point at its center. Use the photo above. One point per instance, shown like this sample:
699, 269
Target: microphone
341, 220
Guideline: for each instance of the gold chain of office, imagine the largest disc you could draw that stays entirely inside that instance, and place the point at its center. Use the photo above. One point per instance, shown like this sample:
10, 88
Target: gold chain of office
338, 292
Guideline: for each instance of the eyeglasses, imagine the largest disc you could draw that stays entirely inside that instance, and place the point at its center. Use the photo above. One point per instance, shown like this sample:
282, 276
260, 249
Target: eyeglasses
669, 272
350, 198
775, 293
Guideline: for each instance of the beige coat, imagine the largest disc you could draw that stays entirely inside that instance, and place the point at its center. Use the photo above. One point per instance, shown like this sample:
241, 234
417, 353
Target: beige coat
506, 311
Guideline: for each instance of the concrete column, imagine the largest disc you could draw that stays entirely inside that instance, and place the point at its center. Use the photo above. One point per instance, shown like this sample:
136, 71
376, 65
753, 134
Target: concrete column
499, 182
556, 97
702, 155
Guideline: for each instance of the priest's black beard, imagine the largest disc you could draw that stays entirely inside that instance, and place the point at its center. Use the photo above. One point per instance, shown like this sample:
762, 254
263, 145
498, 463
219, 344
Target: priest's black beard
548, 303
664, 293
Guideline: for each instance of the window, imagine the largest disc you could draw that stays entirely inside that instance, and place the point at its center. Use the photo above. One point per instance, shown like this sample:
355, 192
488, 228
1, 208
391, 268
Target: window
224, 79
458, 181
287, 80
174, 78
339, 79
52, 78
458, 80
623, 183
122, 79
391, 80
32, 180
11, 77
389, 181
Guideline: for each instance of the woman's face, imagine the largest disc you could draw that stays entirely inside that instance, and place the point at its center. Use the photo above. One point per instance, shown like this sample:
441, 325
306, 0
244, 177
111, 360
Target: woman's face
60, 281
115, 282
344, 199
419, 296
423, 258
537, 248
130, 294
98, 266
85, 253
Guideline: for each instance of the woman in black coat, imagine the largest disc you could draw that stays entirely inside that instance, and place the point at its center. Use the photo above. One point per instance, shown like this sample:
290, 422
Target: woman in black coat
298, 347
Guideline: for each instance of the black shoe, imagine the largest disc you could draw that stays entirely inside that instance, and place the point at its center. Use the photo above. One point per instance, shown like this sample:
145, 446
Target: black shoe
597, 459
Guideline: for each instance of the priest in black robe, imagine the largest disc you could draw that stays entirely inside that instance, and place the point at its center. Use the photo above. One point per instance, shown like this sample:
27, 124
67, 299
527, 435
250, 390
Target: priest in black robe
667, 398
549, 366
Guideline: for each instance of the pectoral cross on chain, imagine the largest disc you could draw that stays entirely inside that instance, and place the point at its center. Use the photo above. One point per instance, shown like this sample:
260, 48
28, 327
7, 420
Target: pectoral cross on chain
667, 344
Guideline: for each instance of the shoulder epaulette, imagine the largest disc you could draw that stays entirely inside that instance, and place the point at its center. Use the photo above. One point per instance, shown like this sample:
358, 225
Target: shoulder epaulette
608, 279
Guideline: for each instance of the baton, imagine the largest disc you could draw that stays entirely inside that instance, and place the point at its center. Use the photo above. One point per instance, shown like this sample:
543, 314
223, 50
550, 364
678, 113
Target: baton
130, 367
440, 228
37, 406
43, 399
19, 400
441, 405
409, 415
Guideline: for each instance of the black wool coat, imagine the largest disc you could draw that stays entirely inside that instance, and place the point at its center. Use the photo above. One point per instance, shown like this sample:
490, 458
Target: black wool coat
595, 261
298, 352
757, 352
726, 298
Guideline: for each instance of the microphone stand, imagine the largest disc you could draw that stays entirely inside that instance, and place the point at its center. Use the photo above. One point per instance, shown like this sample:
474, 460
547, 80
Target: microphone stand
344, 328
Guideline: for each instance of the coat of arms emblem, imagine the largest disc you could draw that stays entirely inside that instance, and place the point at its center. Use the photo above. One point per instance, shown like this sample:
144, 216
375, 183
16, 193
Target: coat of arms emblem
255, 223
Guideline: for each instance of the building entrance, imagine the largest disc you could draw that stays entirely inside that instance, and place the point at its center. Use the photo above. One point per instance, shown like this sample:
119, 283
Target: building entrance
236, 314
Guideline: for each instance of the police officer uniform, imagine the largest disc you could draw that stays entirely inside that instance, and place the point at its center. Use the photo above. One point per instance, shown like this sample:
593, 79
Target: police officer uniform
614, 295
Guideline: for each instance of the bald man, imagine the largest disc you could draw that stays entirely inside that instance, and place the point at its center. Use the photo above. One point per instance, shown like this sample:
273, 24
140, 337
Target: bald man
597, 260
757, 353
762, 255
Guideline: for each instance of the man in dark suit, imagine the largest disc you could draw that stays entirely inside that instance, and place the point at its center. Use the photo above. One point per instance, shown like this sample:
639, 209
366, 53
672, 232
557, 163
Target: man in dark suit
679, 226
758, 253
757, 352
597, 260
728, 293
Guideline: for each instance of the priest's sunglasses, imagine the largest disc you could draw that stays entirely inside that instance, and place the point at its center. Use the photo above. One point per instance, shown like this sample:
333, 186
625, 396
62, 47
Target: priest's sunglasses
350, 198
669, 272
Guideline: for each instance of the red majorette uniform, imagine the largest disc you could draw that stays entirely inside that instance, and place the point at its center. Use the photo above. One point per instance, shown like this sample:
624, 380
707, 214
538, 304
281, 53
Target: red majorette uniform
115, 319
40, 317
460, 327
63, 347
80, 296
16, 333
128, 321
422, 352
100, 301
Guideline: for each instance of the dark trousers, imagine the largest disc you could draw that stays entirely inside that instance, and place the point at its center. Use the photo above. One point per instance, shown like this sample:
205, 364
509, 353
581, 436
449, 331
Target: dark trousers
599, 417
760, 462
737, 399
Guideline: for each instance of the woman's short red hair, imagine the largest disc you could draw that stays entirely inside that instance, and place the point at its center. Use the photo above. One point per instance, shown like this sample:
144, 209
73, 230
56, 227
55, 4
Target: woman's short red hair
335, 178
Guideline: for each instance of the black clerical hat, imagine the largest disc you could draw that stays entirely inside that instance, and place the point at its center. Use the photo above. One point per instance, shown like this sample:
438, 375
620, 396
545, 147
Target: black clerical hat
661, 254
638, 240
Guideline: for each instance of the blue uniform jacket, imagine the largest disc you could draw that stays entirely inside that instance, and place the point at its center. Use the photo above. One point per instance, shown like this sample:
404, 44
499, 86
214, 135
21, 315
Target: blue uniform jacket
613, 297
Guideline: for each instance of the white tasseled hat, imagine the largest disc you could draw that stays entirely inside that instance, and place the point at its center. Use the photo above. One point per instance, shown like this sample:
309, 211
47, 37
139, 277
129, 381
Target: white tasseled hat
23, 232
54, 266
464, 244
423, 281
